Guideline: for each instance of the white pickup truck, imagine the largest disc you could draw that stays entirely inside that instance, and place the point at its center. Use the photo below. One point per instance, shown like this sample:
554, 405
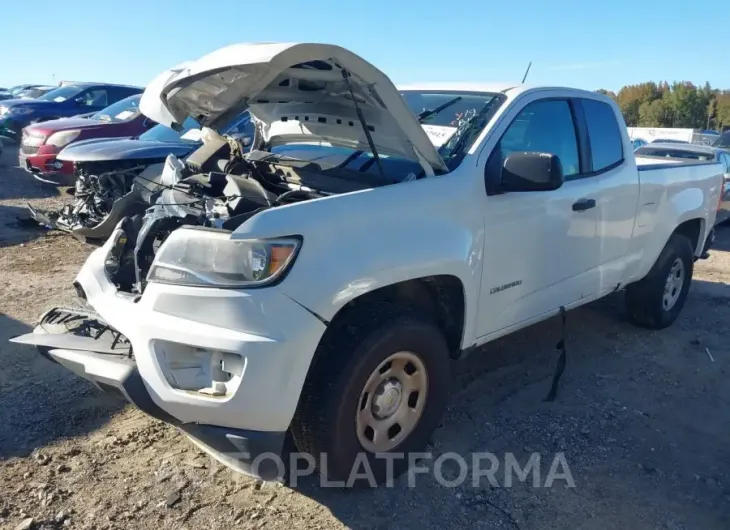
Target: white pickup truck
388, 232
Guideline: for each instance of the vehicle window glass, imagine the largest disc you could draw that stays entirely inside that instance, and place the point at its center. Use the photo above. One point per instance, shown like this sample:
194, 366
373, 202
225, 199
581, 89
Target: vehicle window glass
163, 133
452, 120
124, 110
544, 127
61, 94
241, 125
96, 97
604, 134
329, 156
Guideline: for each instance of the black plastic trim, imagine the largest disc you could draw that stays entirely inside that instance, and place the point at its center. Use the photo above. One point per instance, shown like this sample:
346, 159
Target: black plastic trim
250, 452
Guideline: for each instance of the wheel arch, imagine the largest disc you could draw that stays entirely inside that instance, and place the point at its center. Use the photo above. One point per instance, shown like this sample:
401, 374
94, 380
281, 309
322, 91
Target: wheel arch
440, 298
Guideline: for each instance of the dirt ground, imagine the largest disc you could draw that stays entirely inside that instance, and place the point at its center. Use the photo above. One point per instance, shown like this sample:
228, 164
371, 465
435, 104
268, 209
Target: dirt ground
642, 418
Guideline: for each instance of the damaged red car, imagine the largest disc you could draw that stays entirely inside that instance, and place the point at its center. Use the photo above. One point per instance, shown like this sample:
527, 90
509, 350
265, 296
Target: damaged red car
42, 142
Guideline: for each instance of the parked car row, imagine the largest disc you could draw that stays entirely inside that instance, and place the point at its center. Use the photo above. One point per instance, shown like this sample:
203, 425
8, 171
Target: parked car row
65, 101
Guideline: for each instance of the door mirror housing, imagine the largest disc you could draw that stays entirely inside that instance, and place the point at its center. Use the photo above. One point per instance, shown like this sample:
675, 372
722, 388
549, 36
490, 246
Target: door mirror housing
530, 171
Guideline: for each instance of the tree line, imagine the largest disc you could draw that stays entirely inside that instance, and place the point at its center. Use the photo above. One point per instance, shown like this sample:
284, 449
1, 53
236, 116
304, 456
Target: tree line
681, 104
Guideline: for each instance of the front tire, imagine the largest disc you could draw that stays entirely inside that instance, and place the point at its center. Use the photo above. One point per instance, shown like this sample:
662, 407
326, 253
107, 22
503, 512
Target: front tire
379, 384
656, 301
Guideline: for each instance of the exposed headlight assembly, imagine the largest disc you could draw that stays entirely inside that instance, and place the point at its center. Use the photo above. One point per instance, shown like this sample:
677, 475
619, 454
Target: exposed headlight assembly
207, 257
63, 138
17, 111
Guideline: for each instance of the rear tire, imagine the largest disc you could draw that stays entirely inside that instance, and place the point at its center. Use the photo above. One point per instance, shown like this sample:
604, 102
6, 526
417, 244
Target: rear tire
656, 301
362, 379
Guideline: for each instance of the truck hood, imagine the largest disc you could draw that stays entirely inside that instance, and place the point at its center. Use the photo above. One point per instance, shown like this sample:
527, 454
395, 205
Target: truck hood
47, 128
294, 92
32, 103
108, 149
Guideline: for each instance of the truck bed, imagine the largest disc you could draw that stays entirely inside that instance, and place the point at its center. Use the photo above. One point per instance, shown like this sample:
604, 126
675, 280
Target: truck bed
647, 163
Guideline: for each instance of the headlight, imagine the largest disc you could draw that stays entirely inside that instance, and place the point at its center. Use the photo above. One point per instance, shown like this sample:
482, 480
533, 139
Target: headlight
32, 140
18, 111
63, 138
203, 256
3, 111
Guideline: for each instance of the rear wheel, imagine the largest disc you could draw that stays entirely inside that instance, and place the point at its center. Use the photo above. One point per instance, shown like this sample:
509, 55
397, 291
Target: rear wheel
379, 385
656, 301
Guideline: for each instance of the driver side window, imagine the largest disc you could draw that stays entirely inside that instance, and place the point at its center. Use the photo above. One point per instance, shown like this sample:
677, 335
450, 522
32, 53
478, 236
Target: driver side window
93, 98
546, 127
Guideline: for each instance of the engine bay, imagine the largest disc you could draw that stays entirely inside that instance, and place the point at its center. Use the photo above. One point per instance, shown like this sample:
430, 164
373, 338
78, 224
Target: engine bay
219, 193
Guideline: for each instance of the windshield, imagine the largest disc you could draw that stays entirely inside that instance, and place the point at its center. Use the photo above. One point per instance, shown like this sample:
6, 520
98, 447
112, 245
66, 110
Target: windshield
17, 89
32, 93
723, 141
459, 119
162, 133
669, 152
120, 111
328, 156
62, 94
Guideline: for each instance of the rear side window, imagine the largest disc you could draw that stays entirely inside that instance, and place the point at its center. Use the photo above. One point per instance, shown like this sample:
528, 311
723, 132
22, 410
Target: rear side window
604, 134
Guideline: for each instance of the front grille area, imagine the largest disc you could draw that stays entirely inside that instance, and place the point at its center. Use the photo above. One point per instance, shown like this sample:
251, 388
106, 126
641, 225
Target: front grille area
28, 149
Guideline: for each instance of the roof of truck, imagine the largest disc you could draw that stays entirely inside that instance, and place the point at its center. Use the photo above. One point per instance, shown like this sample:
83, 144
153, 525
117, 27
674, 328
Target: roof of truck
460, 87
514, 88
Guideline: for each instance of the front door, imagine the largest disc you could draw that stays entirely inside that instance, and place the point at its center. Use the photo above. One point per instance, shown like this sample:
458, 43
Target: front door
541, 250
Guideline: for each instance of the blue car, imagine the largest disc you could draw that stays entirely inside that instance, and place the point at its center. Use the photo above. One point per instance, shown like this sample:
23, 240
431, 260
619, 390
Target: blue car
63, 102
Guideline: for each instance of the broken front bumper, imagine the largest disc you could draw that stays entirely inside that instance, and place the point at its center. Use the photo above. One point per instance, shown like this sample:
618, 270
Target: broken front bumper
224, 366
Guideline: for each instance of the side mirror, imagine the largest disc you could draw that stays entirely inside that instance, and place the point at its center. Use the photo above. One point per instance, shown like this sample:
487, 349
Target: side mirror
531, 172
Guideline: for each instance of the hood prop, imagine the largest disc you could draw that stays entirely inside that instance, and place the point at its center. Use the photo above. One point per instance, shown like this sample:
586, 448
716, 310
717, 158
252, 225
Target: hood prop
363, 123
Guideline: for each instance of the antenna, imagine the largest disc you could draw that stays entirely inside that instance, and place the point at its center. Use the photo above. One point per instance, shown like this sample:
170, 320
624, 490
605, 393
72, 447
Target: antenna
526, 72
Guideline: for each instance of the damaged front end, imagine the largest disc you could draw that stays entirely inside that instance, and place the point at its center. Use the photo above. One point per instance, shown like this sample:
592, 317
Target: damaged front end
80, 340
104, 194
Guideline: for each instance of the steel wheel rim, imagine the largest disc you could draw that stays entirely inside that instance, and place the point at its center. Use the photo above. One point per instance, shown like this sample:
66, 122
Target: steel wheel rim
391, 402
673, 285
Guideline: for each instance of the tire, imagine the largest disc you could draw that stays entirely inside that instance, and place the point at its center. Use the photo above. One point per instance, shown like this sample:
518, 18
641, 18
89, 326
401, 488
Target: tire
333, 400
646, 304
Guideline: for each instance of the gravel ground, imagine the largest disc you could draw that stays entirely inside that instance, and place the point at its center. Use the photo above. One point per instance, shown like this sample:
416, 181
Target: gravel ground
641, 417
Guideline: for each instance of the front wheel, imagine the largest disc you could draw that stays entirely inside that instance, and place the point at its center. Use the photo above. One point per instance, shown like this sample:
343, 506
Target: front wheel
374, 395
656, 301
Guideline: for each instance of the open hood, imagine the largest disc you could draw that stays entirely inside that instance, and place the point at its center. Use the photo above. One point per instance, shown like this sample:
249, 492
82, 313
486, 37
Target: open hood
294, 92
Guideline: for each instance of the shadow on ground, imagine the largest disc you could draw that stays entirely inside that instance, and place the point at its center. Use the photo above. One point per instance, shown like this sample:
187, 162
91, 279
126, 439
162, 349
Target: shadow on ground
41, 401
16, 226
722, 239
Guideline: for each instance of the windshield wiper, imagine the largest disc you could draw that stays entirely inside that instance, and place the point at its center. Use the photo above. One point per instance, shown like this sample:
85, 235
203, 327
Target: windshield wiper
475, 122
430, 112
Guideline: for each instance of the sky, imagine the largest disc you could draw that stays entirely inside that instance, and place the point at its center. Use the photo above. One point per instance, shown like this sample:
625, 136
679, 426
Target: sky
586, 44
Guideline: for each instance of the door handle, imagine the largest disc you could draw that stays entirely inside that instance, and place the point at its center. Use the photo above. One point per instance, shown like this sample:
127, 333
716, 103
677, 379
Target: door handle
581, 205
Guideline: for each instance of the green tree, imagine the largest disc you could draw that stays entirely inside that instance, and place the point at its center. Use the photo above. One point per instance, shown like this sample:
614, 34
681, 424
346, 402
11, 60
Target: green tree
630, 98
722, 113
687, 106
654, 114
